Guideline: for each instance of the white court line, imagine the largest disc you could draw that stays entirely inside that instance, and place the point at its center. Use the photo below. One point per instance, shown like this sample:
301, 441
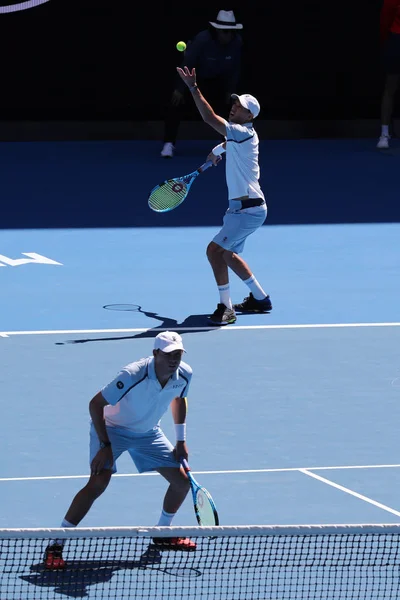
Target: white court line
351, 492
230, 472
187, 329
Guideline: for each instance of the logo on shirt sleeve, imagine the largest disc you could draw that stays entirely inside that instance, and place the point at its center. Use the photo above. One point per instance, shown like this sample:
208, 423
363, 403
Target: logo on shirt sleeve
120, 385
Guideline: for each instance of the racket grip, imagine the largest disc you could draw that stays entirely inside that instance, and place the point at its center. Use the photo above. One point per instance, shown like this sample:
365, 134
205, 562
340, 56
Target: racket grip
205, 166
185, 465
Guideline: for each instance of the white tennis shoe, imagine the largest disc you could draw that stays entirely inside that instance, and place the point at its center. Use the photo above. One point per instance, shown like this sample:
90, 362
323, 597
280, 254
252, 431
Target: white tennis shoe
168, 150
383, 142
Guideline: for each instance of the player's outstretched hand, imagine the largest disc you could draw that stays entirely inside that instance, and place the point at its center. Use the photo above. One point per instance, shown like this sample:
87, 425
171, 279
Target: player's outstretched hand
189, 77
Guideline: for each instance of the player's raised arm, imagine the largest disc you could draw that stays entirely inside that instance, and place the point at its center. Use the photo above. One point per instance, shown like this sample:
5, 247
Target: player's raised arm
206, 111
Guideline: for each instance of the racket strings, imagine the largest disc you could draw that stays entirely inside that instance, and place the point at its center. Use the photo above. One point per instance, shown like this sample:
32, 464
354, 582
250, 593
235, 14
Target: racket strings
168, 195
206, 513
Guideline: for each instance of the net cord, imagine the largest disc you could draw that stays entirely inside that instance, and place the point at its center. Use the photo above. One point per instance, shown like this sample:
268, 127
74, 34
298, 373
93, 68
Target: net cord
216, 531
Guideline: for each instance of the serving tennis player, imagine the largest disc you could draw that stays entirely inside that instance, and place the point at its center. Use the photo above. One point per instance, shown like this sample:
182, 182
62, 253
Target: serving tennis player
247, 207
125, 416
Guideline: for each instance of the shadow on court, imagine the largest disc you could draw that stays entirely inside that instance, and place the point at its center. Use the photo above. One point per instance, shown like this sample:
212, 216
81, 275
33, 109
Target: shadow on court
75, 580
200, 322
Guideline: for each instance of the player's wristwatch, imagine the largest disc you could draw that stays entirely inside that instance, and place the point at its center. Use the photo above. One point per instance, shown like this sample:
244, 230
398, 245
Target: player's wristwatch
104, 444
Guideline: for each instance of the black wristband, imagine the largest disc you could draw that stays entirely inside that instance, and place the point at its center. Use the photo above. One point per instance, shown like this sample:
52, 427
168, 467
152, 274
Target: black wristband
104, 444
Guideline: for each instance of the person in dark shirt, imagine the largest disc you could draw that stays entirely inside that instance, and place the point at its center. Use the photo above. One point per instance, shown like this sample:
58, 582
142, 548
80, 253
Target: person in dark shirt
390, 38
215, 53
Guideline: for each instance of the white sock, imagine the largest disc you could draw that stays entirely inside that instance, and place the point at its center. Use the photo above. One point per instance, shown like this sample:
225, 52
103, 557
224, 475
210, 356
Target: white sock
255, 288
165, 519
224, 295
61, 541
385, 130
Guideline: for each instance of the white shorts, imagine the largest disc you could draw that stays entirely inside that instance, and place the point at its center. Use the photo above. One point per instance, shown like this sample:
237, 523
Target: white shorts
238, 225
148, 450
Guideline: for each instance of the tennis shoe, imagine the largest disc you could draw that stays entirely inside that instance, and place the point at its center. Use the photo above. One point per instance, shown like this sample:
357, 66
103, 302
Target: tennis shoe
168, 150
53, 558
251, 305
175, 543
223, 315
383, 142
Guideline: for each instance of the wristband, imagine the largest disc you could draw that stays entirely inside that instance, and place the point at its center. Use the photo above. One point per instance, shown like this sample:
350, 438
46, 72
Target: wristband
194, 87
180, 431
218, 150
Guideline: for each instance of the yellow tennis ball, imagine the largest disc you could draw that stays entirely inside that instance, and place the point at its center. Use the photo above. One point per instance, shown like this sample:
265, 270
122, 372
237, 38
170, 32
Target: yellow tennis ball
181, 46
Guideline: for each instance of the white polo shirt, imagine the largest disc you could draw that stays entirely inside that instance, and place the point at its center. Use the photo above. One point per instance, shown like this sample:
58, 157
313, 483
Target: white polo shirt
242, 168
136, 400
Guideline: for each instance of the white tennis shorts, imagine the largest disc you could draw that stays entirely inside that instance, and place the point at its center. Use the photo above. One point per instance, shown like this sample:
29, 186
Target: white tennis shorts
238, 225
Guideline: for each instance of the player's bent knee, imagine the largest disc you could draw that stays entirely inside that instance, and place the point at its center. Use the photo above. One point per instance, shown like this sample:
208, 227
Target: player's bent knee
97, 484
209, 251
213, 250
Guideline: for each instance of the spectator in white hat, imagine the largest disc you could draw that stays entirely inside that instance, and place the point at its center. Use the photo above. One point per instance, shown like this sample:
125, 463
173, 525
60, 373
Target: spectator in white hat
216, 55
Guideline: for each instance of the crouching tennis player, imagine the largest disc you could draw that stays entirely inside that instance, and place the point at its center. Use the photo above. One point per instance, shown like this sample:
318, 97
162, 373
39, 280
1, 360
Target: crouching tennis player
125, 416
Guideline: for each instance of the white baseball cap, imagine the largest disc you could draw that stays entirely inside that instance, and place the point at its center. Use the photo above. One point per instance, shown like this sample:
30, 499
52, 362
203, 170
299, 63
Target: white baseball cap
168, 341
249, 102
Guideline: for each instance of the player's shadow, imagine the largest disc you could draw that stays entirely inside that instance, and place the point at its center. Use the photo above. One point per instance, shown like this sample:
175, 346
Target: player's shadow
75, 580
191, 324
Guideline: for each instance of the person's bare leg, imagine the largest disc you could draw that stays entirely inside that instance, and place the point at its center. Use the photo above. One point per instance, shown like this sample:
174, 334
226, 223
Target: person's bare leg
176, 493
237, 264
215, 255
177, 490
84, 499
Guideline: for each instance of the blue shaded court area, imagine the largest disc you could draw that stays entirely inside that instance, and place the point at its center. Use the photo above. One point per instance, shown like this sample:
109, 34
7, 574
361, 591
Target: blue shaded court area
293, 415
313, 384
105, 184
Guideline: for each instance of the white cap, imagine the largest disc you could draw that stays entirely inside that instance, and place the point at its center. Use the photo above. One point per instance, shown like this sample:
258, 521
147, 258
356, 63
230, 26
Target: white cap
249, 102
168, 341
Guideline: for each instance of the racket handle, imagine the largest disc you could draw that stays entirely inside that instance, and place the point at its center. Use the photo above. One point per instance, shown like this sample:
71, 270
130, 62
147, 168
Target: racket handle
185, 465
205, 166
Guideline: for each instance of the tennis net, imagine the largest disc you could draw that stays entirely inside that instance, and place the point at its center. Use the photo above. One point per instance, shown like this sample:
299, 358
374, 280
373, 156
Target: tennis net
341, 562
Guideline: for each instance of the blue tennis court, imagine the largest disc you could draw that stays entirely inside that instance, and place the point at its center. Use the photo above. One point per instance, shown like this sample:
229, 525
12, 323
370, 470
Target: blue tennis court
293, 415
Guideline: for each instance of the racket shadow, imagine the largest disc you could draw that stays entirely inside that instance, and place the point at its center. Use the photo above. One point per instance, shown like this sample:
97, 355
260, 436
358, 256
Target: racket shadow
197, 323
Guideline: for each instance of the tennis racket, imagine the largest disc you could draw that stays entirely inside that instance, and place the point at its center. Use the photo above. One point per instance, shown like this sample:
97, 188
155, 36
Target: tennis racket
171, 193
204, 506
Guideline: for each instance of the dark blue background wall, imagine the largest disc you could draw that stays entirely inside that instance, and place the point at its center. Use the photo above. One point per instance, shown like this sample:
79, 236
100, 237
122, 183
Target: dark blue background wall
116, 59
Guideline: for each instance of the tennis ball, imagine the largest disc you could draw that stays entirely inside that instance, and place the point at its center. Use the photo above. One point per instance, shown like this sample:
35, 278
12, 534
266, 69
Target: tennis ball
181, 46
